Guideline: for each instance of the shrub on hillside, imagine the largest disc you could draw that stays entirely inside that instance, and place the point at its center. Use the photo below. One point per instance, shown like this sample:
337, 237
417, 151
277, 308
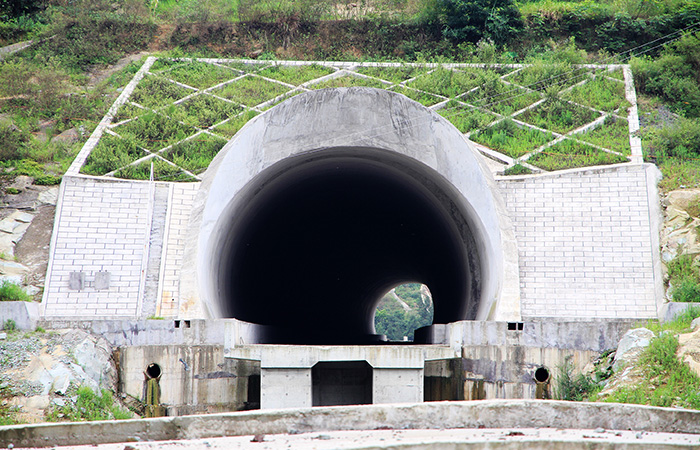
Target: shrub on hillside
679, 140
473, 20
87, 33
13, 142
674, 76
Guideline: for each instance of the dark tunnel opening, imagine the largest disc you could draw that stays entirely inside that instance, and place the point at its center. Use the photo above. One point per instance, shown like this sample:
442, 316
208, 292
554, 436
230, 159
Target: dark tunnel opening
318, 243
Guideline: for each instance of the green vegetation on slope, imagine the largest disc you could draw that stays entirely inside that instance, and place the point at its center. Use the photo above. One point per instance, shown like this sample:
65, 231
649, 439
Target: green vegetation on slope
396, 320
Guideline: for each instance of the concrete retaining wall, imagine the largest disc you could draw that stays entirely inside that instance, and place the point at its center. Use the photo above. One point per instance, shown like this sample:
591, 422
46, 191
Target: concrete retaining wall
25, 314
193, 379
593, 335
439, 415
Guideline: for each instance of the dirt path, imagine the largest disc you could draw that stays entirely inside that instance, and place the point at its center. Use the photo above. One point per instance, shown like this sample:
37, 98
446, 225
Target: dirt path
99, 75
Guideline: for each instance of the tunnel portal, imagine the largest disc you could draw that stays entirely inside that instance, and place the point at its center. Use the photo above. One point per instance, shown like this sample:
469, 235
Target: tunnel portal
318, 207
316, 249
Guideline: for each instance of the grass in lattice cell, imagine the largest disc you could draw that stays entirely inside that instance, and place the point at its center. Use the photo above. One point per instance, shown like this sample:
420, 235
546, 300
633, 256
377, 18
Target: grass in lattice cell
447, 82
296, 75
393, 74
154, 131
600, 93
153, 92
465, 118
201, 75
251, 91
511, 139
423, 98
543, 75
617, 73
203, 111
230, 128
162, 171
568, 154
517, 169
165, 64
246, 67
194, 155
499, 97
348, 81
127, 111
111, 154
613, 134
558, 115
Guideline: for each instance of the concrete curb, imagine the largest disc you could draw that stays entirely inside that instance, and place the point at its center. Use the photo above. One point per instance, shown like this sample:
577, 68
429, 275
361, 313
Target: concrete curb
434, 415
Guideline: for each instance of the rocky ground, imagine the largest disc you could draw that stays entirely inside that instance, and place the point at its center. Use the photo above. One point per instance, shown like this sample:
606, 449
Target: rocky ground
42, 371
26, 222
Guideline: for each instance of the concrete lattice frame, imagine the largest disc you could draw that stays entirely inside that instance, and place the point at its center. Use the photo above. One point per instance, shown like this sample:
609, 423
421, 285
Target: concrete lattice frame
337, 123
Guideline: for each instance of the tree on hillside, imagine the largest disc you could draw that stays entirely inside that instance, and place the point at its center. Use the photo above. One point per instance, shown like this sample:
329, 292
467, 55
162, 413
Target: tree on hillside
11, 9
473, 20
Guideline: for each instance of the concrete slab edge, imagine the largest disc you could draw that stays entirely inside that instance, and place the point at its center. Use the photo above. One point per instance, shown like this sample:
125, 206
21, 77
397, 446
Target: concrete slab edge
434, 415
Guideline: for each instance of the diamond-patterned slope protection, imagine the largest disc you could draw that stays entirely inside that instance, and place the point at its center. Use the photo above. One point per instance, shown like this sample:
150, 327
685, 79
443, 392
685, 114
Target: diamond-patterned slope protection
537, 116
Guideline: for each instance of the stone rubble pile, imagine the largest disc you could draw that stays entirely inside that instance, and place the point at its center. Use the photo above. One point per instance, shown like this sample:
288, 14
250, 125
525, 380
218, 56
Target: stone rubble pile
44, 370
16, 219
680, 234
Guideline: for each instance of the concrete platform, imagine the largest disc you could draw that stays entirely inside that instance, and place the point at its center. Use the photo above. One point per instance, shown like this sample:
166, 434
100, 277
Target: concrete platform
467, 418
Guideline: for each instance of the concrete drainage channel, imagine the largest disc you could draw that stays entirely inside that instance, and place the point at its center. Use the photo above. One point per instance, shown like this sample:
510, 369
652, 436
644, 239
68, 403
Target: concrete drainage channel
520, 424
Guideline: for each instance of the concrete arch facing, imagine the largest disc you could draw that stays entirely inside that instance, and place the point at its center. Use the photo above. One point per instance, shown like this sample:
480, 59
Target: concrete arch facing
318, 206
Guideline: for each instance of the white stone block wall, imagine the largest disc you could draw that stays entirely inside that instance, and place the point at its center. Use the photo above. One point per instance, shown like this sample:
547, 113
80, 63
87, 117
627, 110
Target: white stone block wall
101, 226
585, 243
179, 209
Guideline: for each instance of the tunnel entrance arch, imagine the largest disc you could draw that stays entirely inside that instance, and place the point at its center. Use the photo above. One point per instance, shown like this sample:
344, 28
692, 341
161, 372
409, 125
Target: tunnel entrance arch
319, 206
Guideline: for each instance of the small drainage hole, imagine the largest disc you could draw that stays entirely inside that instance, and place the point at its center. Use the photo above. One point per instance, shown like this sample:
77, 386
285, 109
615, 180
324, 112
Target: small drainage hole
542, 375
153, 370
